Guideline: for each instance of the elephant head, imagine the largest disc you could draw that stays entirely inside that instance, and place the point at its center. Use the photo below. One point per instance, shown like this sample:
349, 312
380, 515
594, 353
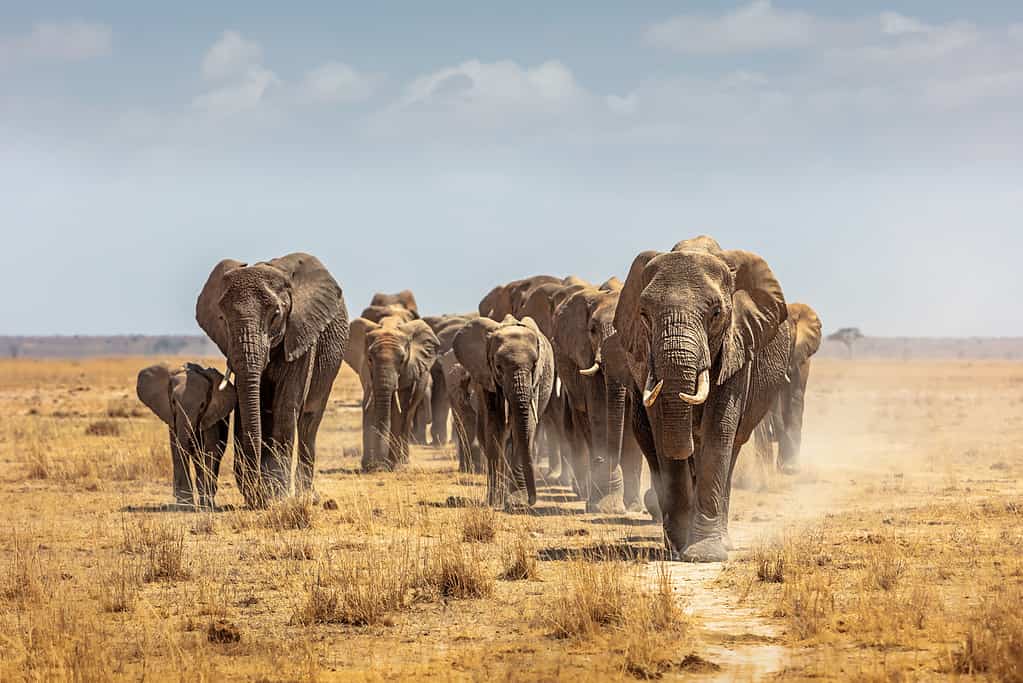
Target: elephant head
398, 356
194, 402
685, 314
807, 327
512, 363
405, 299
277, 308
376, 313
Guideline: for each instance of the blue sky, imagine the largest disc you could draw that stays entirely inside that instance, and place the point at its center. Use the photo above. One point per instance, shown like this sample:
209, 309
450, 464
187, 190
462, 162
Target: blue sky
872, 152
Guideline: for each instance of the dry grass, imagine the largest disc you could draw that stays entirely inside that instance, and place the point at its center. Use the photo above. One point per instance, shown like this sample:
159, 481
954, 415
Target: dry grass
892, 556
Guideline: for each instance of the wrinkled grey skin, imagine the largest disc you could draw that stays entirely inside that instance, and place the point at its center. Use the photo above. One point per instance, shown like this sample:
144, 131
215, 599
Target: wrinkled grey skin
783, 423
694, 309
283, 327
395, 375
445, 327
190, 401
597, 396
512, 368
540, 305
464, 411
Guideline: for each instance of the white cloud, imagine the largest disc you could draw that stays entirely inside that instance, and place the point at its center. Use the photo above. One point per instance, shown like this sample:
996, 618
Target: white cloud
69, 41
231, 55
337, 82
482, 87
239, 95
895, 24
755, 27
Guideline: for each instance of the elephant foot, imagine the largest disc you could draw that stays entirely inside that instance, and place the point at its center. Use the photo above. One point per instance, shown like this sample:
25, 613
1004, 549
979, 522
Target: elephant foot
517, 502
610, 504
652, 505
708, 550
726, 541
789, 468
635, 506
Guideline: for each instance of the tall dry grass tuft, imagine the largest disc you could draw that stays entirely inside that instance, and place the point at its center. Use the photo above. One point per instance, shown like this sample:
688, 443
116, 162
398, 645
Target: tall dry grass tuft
290, 513
994, 639
161, 547
361, 588
521, 563
655, 629
479, 524
595, 595
456, 571
119, 588
23, 576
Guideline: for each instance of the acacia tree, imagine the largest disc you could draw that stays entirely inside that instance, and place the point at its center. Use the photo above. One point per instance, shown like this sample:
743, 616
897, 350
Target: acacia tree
847, 336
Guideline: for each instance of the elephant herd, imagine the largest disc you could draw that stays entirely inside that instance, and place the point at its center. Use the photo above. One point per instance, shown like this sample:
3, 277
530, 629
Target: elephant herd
679, 365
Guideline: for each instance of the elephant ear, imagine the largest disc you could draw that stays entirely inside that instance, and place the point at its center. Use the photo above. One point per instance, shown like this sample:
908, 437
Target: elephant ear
612, 284
571, 330
808, 332
355, 352
422, 349
407, 299
207, 306
758, 310
316, 299
221, 401
471, 350
153, 389
631, 330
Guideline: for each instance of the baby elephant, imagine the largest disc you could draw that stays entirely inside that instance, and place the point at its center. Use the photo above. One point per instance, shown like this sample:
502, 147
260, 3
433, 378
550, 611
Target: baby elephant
196, 403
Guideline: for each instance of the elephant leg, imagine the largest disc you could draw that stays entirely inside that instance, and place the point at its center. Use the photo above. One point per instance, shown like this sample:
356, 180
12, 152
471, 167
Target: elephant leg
494, 434
440, 408
632, 471
762, 443
308, 426
579, 444
367, 440
714, 461
790, 433
207, 463
287, 404
181, 448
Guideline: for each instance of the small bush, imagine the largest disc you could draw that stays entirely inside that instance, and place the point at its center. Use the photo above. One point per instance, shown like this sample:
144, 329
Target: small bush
162, 548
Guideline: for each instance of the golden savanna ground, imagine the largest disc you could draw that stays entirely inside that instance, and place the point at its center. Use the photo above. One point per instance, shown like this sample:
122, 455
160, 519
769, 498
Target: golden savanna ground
896, 554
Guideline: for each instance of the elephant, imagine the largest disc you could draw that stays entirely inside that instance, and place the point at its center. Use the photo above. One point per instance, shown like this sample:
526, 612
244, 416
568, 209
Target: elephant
445, 327
405, 298
783, 424
465, 410
505, 300
540, 305
283, 326
605, 457
195, 403
684, 317
511, 364
396, 381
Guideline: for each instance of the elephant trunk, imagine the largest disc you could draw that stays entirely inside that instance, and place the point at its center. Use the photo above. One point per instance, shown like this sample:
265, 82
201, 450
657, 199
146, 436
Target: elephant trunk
384, 387
523, 428
677, 360
249, 362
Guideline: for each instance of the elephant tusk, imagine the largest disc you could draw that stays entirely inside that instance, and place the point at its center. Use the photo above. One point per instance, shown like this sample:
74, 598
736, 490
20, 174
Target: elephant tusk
368, 401
702, 390
592, 370
227, 378
397, 402
652, 391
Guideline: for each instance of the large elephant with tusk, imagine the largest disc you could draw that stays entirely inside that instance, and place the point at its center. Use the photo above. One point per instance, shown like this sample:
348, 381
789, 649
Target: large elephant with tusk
283, 326
394, 358
702, 330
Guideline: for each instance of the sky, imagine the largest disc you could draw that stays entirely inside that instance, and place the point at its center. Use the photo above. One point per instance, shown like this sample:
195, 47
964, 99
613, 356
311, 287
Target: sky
871, 152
